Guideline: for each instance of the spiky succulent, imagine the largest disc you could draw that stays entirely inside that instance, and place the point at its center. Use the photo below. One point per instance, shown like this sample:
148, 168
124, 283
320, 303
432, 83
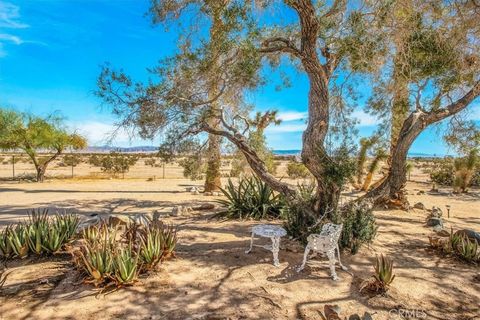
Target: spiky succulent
126, 265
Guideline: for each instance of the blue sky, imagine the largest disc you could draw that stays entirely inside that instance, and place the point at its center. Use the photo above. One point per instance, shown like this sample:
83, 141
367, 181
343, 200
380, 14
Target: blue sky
51, 52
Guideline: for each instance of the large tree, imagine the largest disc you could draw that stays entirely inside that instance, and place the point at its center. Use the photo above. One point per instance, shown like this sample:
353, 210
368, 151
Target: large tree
32, 134
322, 40
435, 76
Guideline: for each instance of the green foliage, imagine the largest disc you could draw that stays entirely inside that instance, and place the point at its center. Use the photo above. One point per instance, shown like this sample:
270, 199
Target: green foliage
460, 173
72, 160
6, 250
300, 220
462, 247
126, 265
40, 234
193, 167
117, 163
30, 134
251, 198
383, 277
359, 226
95, 160
109, 258
296, 170
17, 237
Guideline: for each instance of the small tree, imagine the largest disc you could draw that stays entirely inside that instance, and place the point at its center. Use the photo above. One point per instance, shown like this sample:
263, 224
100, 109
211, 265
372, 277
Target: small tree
72, 160
32, 134
116, 163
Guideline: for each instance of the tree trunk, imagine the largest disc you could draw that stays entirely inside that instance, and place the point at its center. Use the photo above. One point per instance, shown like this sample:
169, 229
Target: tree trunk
41, 169
212, 180
213, 176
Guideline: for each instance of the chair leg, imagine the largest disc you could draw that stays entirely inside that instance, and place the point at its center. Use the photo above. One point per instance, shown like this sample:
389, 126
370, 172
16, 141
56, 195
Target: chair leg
331, 261
251, 244
305, 256
275, 249
340, 262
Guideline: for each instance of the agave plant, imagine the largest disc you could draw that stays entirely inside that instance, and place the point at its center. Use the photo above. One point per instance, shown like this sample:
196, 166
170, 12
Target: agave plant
126, 266
383, 276
252, 198
17, 238
6, 250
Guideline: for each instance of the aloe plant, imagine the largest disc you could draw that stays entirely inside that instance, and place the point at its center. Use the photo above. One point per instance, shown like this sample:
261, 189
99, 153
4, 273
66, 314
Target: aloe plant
126, 266
68, 223
468, 250
53, 239
384, 271
38, 225
6, 250
18, 239
382, 277
151, 247
170, 240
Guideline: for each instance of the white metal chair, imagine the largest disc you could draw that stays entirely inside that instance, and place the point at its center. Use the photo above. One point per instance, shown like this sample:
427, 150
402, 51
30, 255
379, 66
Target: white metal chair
326, 242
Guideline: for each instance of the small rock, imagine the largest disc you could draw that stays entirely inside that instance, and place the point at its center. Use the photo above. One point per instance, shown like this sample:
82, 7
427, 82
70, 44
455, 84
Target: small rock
118, 220
434, 221
420, 192
208, 194
216, 194
419, 205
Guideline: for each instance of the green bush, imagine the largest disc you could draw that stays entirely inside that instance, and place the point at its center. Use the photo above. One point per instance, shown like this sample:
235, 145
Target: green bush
193, 167
300, 220
296, 170
359, 226
251, 198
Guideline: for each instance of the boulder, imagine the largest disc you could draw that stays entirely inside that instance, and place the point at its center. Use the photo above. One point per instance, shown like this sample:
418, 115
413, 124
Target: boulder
419, 206
470, 234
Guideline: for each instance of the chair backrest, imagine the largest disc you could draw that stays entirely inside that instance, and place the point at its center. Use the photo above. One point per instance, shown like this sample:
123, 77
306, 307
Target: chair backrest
332, 231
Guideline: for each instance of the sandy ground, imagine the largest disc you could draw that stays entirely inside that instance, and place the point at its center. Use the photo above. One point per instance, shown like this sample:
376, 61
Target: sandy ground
212, 277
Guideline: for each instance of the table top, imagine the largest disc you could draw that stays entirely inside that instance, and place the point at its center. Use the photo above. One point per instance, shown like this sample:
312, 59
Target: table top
269, 230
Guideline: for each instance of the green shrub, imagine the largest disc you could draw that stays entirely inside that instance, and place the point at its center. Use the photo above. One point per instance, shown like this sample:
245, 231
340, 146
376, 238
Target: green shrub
300, 219
296, 170
193, 167
17, 237
251, 198
359, 226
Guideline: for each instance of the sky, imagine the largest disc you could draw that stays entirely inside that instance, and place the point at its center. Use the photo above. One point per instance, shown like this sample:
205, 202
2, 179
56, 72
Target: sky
51, 52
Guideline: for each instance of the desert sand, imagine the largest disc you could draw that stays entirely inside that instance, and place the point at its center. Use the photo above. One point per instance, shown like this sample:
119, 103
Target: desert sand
211, 277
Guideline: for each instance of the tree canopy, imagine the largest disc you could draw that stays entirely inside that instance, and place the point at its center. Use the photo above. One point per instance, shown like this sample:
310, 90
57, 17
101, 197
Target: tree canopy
32, 134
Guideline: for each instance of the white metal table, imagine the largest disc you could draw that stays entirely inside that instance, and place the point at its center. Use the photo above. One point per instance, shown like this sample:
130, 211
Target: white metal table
268, 231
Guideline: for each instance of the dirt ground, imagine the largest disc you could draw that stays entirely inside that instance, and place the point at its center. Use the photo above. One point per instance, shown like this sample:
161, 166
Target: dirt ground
212, 277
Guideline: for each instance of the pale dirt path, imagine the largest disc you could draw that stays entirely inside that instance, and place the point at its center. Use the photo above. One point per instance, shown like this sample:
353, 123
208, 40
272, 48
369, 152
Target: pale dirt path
212, 278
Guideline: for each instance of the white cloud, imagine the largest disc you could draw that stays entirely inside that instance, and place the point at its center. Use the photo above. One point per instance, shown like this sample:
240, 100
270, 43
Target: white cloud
286, 127
292, 115
364, 118
9, 15
10, 38
100, 133
9, 19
